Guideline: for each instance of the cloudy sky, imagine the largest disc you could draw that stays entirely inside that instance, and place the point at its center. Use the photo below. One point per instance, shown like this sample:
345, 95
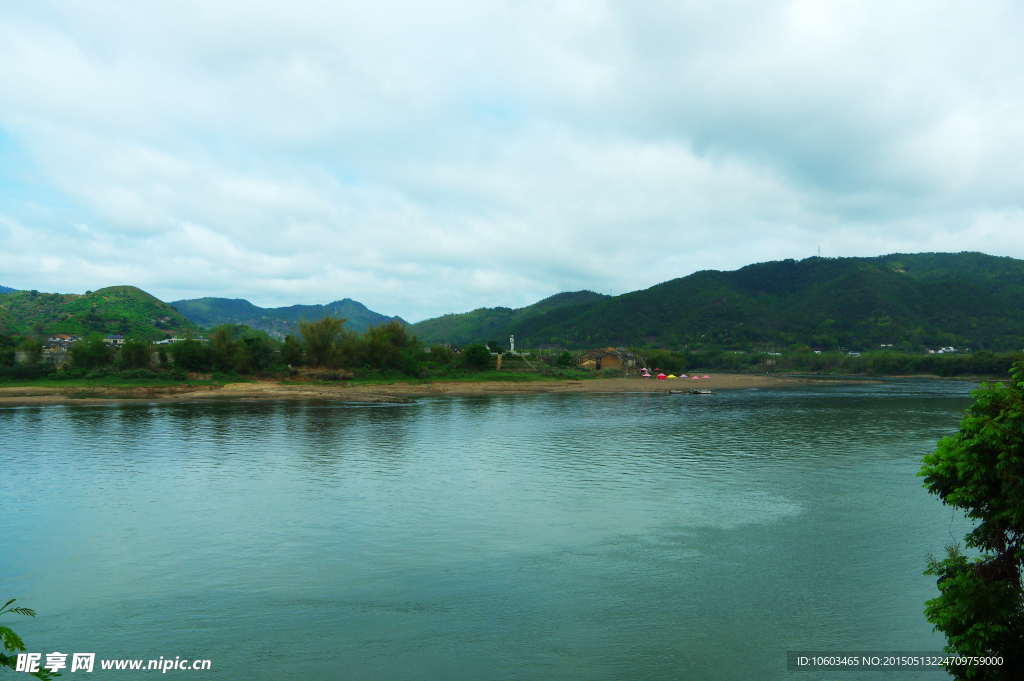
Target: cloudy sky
431, 157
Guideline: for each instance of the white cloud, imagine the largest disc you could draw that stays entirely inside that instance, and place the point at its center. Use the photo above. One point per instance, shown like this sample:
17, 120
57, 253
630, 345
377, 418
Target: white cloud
424, 158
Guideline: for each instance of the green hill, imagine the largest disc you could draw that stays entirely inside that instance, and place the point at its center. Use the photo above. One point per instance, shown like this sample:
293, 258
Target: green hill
278, 321
489, 323
116, 309
907, 300
7, 289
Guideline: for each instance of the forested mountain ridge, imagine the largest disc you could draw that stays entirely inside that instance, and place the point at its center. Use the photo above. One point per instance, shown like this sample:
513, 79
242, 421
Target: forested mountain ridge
484, 323
906, 300
280, 321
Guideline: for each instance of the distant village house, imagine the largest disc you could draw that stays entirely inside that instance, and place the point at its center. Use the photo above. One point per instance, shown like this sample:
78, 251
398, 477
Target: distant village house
608, 358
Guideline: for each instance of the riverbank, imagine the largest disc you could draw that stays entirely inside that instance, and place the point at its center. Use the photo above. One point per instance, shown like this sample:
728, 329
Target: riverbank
398, 392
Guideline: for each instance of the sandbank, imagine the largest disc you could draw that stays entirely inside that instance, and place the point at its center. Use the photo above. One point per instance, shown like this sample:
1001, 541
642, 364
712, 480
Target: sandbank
399, 392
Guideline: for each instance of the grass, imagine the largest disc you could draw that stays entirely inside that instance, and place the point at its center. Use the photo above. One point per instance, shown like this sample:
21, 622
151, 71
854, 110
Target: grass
115, 382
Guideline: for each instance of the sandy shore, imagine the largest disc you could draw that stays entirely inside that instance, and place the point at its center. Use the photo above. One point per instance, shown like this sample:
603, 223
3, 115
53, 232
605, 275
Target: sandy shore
355, 391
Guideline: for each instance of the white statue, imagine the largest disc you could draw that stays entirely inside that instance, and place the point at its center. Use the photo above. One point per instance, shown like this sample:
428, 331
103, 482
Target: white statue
512, 344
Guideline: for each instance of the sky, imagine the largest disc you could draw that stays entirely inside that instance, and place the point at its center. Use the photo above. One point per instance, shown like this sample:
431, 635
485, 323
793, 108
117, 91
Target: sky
426, 158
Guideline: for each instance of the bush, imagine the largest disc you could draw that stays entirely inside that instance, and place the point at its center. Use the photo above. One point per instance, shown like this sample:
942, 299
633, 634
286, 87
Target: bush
408, 363
478, 356
91, 354
33, 350
137, 373
253, 353
22, 372
565, 359
134, 355
291, 351
440, 356
69, 373
667, 361
382, 346
190, 355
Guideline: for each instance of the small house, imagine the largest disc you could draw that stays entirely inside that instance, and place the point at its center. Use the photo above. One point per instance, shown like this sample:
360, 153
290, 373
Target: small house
608, 358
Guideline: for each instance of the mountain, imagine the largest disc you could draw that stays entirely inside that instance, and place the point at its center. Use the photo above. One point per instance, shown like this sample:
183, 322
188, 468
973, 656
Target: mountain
278, 321
7, 289
116, 309
489, 323
907, 300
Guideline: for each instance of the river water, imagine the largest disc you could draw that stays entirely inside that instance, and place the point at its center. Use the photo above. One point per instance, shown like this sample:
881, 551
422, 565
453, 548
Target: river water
507, 537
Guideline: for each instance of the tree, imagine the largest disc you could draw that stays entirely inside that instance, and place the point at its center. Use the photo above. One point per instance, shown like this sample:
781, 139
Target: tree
134, 355
190, 354
980, 469
320, 337
92, 354
222, 347
440, 356
390, 345
33, 350
254, 353
13, 644
565, 359
291, 351
478, 355
670, 362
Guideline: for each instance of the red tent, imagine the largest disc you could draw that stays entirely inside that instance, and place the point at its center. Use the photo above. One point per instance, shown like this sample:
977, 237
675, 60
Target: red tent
662, 377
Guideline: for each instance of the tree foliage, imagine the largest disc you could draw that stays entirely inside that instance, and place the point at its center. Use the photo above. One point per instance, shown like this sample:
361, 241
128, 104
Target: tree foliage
134, 355
231, 348
320, 338
390, 345
909, 301
291, 351
12, 643
665, 360
190, 354
33, 350
478, 356
116, 309
472, 326
91, 354
980, 470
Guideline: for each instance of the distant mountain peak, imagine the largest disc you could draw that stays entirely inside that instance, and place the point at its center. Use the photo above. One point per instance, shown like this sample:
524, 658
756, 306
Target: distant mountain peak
278, 321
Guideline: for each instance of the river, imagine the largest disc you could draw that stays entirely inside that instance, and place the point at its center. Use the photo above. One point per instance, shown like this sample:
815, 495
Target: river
620, 536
